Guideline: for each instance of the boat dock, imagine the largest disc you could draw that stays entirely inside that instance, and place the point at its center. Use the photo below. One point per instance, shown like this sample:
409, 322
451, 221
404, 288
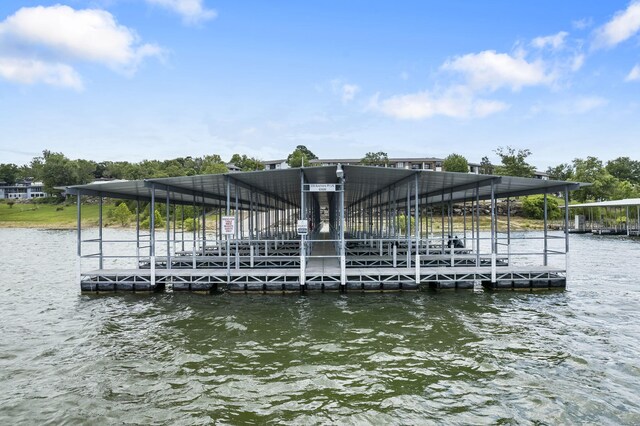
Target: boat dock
617, 217
350, 228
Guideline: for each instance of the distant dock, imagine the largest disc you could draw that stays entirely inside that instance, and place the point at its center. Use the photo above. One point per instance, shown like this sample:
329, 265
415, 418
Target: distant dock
350, 228
618, 217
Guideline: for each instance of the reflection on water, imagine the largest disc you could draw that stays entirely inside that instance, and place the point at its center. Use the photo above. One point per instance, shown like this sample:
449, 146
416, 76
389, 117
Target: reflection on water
458, 357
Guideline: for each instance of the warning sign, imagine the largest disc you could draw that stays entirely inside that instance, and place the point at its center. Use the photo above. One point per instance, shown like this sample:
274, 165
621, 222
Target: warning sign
303, 227
228, 225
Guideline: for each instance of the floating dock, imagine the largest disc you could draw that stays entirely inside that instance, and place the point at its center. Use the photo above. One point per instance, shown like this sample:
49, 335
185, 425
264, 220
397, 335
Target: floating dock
617, 217
350, 228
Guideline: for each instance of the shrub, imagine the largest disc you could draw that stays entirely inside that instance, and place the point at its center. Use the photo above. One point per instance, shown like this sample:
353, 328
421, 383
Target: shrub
533, 207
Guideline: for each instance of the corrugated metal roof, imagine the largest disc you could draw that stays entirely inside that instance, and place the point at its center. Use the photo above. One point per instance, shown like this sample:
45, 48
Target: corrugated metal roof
270, 187
615, 203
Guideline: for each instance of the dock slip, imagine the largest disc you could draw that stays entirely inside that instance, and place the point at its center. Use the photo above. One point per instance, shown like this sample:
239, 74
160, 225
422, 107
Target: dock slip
345, 228
616, 217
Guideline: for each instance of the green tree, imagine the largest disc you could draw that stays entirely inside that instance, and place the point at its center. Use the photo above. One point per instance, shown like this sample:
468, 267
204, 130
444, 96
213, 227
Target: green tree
456, 163
624, 168
486, 168
514, 162
57, 170
245, 163
561, 172
300, 156
84, 170
158, 221
122, 214
9, 173
213, 164
533, 207
379, 158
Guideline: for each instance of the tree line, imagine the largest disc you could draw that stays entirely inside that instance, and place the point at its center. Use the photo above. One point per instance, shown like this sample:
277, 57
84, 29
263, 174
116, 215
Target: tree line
611, 180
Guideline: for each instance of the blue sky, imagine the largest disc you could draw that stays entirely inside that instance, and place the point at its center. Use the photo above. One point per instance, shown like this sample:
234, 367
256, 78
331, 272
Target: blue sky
158, 79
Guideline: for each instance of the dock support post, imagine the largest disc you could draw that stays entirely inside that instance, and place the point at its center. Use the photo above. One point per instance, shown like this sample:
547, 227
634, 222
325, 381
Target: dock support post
343, 263
508, 231
477, 212
566, 233
168, 222
101, 259
303, 254
79, 241
416, 228
546, 246
627, 221
395, 254
493, 233
228, 213
237, 228
152, 225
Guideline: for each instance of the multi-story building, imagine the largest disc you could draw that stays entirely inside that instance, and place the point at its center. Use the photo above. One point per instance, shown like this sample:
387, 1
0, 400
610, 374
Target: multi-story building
24, 189
426, 163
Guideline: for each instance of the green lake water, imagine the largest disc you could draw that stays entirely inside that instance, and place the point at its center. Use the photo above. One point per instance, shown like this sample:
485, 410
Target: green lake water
465, 357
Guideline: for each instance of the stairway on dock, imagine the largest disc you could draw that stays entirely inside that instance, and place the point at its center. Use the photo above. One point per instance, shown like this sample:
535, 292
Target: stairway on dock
323, 258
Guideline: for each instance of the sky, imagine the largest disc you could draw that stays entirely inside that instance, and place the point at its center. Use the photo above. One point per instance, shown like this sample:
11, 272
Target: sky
127, 80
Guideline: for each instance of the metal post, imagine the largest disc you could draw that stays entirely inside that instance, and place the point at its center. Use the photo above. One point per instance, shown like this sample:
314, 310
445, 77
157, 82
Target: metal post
303, 255
204, 226
417, 230
627, 221
566, 233
545, 231
509, 230
138, 230
343, 263
79, 241
228, 211
195, 226
493, 236
168, 221
237, 228
408, 225
101, 259
477, 212
152, 225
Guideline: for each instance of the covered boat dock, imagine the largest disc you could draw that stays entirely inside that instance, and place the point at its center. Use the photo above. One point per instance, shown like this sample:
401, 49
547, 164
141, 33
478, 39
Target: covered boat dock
344, 228
616, 217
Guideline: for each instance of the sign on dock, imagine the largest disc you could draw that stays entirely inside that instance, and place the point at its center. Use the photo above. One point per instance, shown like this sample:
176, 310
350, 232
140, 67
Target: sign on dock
303, 227
322, 187
228, 225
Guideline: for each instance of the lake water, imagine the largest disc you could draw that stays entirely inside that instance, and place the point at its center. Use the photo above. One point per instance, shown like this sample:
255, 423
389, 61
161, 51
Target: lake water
398, 358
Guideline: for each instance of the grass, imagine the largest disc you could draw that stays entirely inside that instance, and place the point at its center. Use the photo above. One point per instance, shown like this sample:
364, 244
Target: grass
31, 215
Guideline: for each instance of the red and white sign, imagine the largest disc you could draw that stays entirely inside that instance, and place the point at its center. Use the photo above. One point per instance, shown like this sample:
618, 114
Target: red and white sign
228, 225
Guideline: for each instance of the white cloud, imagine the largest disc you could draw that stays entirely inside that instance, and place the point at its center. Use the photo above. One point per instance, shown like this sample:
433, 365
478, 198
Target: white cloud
90, 35
30, 71
192, 11
623, 26
349, 92
457, 102
555, 41
634, 74
582, 24
577, 62
491, 70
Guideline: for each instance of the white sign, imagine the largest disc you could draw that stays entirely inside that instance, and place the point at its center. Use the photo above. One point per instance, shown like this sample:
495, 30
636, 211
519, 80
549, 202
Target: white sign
228, 225
322, 187
303, 227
